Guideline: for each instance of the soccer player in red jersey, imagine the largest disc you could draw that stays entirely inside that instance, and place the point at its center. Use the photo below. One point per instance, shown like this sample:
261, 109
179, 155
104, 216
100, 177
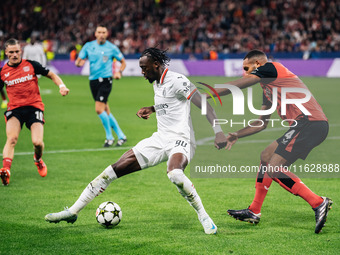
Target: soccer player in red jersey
306, 132
25, 105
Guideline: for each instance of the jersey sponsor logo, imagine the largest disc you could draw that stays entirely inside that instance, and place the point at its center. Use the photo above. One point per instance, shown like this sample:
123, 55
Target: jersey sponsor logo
160, 109
19, 80
161, 112
161, 106
26, 69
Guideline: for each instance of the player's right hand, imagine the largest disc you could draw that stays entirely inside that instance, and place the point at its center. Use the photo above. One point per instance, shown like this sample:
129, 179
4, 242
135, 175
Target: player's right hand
220, 140
144, 112
64, 91
231, 140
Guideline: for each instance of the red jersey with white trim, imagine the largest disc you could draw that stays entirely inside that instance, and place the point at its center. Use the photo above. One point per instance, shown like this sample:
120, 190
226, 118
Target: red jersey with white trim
172, 105
274, 74
22, 84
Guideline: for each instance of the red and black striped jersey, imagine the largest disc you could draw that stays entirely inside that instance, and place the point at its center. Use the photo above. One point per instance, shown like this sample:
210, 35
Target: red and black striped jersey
274, 74
22, 84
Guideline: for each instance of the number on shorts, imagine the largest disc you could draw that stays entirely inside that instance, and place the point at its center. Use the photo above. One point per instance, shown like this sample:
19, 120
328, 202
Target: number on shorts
39, 115
181, 143
289, 134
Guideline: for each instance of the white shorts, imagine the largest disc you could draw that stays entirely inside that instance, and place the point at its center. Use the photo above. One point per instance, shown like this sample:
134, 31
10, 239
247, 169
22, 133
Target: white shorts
159, 148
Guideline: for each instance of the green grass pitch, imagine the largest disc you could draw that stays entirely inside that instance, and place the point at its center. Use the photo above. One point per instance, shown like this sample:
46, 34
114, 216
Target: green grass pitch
156, 219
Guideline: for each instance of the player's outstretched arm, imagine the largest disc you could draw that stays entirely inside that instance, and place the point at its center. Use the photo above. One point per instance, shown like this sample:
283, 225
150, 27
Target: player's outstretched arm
253, 128
63, 90
220, 138
241, 83
145, 112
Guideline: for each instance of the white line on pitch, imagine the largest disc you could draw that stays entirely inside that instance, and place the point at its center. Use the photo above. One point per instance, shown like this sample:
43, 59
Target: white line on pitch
200, 142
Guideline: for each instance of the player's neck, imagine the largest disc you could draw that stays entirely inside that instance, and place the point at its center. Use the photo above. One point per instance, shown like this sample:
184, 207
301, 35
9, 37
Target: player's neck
101, 42
161, 74
14, 64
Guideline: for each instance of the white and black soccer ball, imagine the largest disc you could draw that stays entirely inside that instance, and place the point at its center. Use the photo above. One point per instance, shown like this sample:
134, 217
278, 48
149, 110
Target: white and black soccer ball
109, 214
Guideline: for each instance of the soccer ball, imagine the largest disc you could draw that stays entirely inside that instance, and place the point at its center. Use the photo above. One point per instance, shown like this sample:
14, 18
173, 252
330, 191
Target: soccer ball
108, 214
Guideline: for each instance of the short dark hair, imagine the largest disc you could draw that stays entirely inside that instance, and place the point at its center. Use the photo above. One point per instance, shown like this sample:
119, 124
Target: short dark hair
101, 25
157, 55
11, 41
255, 53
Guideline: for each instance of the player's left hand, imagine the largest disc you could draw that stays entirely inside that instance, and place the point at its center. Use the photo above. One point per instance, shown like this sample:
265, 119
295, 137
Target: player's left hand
220, 140
117, 75
64, 91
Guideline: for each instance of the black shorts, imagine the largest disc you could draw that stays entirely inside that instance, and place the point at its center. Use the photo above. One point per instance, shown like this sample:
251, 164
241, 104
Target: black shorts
298, 141
101, 89
26, 114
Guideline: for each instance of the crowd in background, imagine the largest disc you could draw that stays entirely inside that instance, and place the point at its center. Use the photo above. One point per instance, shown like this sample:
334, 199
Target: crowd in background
198, 26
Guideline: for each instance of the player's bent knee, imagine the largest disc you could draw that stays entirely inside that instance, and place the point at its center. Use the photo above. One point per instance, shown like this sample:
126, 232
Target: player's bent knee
38, 143
99, 112
175, 176
127, 164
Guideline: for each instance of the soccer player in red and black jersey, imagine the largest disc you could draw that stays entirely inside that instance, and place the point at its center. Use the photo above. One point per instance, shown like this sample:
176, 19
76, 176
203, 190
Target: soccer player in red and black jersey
306, 132
25, 105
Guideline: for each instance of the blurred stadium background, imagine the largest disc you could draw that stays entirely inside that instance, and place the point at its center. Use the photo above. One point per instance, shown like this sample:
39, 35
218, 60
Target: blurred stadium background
203, 29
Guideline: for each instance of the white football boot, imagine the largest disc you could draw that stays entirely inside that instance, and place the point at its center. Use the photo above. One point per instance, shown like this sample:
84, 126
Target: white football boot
209, 226
65, 215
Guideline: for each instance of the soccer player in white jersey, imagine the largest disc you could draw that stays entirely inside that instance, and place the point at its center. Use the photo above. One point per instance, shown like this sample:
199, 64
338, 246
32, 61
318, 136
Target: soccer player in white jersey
171, 142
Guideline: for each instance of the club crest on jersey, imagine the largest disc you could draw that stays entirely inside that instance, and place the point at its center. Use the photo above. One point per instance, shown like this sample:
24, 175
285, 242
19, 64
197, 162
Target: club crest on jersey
26, 68
105, 59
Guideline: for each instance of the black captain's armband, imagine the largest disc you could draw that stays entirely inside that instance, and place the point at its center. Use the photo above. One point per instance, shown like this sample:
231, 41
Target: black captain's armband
267, 72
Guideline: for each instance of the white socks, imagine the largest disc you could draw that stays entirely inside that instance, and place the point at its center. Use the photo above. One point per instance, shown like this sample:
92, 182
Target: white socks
102, 181
187, 190
96, 187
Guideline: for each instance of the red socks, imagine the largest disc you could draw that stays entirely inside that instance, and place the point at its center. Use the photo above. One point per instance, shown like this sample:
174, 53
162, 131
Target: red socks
7, 163
263, 182
286, 180
294, 185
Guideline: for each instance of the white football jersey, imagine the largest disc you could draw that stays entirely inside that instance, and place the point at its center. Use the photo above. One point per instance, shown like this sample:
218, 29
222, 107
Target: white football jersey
35, 52
172, 105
